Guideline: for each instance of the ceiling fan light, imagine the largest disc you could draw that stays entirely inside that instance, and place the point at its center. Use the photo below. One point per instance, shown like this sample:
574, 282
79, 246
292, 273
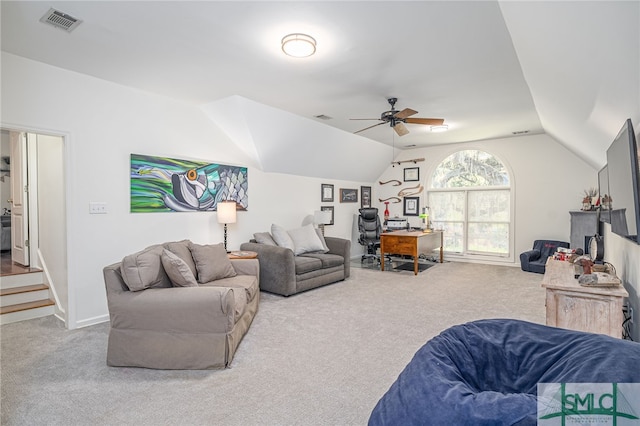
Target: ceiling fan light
298, 45
440, 128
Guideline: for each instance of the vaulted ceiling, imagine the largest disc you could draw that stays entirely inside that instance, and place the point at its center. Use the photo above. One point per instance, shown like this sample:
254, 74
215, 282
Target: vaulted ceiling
489, 69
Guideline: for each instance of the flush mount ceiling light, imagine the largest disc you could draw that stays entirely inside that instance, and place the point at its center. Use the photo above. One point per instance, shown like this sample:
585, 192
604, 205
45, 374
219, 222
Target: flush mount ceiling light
440, 128
298, 45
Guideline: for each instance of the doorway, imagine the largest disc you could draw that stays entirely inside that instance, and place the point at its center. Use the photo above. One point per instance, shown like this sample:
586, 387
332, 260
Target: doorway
45, 215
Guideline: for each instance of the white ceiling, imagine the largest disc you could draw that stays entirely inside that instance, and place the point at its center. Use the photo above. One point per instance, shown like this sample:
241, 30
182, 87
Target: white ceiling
570, 69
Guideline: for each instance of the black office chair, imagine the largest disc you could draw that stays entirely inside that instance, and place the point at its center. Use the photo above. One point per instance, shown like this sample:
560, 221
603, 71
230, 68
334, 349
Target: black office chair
370, 228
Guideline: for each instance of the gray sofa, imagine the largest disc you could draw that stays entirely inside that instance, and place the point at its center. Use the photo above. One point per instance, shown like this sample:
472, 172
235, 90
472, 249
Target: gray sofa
284, 273
195, 320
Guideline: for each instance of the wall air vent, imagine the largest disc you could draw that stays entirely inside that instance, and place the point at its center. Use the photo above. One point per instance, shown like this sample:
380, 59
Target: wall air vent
323, 117
60, 20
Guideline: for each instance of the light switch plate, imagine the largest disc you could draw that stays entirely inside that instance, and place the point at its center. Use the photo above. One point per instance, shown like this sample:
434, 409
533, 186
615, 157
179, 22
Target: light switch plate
97, 208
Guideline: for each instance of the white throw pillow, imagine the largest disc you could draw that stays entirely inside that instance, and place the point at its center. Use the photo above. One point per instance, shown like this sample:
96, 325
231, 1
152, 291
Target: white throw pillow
281, 237
305, 240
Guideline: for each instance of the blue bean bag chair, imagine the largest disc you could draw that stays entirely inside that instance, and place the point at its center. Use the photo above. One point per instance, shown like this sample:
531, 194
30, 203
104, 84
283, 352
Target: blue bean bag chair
486, 373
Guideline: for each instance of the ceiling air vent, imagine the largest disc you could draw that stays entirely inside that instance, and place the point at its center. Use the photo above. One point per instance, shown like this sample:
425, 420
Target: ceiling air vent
60, 20
323, 117
520, 132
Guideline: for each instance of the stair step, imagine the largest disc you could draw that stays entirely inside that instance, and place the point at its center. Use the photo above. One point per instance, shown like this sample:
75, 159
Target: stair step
30, 293
23, 289
26, 306
21, 280
27, 314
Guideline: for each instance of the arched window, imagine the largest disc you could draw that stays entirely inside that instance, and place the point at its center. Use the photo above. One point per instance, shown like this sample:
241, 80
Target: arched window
470, 199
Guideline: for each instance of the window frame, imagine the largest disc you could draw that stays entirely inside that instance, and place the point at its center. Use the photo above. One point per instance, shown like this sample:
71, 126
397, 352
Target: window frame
474, 255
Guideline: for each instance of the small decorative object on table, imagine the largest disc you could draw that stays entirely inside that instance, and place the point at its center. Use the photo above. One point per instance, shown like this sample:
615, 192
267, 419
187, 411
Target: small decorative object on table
590, 199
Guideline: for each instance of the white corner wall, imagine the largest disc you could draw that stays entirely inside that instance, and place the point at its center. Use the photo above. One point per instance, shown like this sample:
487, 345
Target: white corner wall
52, 228
102, 124
624, 255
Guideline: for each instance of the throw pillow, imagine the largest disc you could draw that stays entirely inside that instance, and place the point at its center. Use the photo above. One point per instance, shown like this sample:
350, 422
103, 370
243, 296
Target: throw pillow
212, 262
281, 237
305, 240
143, 269
181, 249
177, 269
264, 238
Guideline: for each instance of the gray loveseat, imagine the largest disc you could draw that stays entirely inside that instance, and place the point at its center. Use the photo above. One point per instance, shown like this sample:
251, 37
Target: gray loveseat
179, 305
285, 273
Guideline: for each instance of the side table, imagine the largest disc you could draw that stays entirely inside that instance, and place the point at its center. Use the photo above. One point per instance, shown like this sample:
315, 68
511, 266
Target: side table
242, 255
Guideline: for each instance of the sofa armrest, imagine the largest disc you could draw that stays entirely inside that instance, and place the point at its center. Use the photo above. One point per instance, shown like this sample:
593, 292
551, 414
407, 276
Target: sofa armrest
277, 268
527, 257
341, 247
178, 309
530, 255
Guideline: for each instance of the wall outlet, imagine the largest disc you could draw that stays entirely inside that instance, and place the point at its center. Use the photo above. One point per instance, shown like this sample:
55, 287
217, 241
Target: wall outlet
97, 208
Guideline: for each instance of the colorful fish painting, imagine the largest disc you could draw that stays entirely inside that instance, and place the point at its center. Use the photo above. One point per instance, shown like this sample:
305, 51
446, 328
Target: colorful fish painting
160, 184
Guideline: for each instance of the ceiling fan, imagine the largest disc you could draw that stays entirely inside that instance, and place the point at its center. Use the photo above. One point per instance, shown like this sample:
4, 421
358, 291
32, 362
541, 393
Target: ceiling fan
396, 119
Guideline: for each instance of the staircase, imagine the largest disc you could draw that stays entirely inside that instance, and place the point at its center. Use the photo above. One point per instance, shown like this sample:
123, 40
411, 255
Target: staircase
24, 296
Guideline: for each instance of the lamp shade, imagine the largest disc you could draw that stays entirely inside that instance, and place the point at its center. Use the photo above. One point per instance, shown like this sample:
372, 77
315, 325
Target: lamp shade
321, 217
226, 212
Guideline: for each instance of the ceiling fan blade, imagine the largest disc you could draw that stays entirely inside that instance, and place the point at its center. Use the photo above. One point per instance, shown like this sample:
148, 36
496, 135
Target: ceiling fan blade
428, 121
364, 119
405, 113
367, 128
400, 129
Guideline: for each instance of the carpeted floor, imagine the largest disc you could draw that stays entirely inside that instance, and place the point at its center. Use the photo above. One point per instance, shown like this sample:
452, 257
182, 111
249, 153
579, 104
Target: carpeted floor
323, 357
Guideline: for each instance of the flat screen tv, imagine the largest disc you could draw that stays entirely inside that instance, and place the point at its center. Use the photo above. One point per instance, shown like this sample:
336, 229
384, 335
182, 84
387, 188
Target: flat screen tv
623, 171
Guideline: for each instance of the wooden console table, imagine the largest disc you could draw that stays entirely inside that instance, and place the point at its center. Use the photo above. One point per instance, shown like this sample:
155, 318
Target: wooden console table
411, 243
570, 305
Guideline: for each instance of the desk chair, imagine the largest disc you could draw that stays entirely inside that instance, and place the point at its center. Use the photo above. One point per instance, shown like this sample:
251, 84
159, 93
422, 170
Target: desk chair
370, 228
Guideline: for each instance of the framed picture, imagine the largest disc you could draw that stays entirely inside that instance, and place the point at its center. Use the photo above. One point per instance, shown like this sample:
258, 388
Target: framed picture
411, 206
170, 187
328, 209
412, 174
348, 195
326, 193
365, 197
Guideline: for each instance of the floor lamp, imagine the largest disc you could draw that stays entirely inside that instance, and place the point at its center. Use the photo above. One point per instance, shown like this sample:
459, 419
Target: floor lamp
226, 214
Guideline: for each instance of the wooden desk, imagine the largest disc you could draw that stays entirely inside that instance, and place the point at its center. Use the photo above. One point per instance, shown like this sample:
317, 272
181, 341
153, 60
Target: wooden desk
570, 305
411, 243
